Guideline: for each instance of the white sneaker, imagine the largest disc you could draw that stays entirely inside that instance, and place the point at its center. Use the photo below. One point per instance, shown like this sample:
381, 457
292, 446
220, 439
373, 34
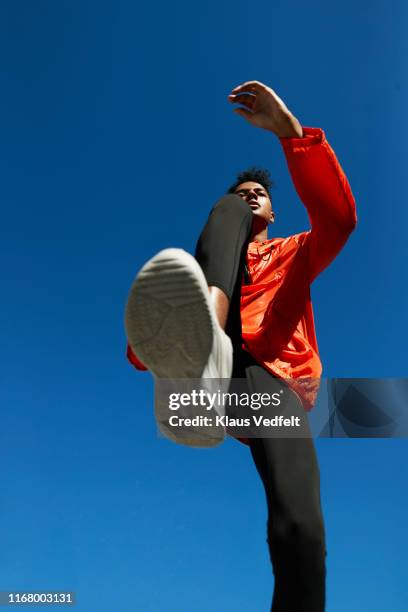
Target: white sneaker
172, 328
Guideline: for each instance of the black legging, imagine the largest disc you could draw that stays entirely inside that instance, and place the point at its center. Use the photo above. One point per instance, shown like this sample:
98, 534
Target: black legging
287, 466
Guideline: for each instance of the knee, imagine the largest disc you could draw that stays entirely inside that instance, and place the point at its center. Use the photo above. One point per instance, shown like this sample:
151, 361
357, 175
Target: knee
232, 204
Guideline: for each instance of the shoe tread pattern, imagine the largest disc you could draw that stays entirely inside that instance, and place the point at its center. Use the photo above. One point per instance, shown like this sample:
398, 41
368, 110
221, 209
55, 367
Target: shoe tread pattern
168, 321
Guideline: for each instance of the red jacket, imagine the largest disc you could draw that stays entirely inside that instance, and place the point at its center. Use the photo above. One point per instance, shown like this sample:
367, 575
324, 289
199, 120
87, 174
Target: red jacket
276, 310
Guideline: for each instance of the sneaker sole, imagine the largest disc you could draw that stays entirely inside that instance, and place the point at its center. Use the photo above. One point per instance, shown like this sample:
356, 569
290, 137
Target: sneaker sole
169, 327
167, 318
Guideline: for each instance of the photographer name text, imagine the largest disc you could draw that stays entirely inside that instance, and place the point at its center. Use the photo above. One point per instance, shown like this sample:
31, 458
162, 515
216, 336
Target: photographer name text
225, 421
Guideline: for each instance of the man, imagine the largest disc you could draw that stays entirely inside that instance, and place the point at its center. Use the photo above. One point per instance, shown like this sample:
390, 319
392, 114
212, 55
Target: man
243, 307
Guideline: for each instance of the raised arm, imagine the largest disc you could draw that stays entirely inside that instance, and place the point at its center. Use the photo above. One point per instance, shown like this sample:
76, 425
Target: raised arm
317, 175
324, 190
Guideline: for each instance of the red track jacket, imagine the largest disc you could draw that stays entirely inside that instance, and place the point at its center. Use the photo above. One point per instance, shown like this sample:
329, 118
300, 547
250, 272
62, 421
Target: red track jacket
276, 310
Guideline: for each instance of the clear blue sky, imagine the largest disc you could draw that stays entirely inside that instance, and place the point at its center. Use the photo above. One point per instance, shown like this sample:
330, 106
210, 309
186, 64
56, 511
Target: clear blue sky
116, 139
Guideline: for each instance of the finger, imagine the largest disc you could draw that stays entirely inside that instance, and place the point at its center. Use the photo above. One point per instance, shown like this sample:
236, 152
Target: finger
247, 114
247, 100
244, 89
249, 86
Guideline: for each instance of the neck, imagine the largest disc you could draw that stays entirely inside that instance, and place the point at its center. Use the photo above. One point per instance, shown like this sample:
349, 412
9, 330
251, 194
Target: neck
259, 236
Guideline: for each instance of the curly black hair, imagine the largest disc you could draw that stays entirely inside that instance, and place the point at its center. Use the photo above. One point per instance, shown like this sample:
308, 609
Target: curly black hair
256, 175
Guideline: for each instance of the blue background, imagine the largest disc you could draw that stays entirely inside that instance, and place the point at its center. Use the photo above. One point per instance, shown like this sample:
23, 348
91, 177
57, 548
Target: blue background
116, 139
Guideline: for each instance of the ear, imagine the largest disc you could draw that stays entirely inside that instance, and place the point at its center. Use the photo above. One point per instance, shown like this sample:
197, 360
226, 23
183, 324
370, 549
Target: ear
272, 218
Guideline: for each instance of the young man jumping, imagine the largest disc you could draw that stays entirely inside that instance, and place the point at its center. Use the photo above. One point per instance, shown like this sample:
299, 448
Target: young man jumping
242, 308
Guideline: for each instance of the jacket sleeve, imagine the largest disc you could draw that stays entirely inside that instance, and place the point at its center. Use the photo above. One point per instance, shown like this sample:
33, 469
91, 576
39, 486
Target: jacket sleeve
324, 190
134, 360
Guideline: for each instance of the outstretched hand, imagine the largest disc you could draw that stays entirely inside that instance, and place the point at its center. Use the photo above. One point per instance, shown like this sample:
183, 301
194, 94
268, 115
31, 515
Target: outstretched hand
262, 107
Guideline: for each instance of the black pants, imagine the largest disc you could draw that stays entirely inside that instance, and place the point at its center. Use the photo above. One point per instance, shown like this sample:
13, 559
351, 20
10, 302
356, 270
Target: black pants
287, 466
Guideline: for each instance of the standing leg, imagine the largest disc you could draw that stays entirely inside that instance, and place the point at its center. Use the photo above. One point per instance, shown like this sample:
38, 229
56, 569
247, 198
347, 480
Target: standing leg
290, 475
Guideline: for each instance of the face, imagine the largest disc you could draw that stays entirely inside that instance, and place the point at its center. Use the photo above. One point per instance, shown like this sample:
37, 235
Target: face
258, 200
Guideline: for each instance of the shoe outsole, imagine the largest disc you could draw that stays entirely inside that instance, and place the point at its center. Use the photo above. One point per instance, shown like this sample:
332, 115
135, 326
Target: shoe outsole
169, 327
167, 318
